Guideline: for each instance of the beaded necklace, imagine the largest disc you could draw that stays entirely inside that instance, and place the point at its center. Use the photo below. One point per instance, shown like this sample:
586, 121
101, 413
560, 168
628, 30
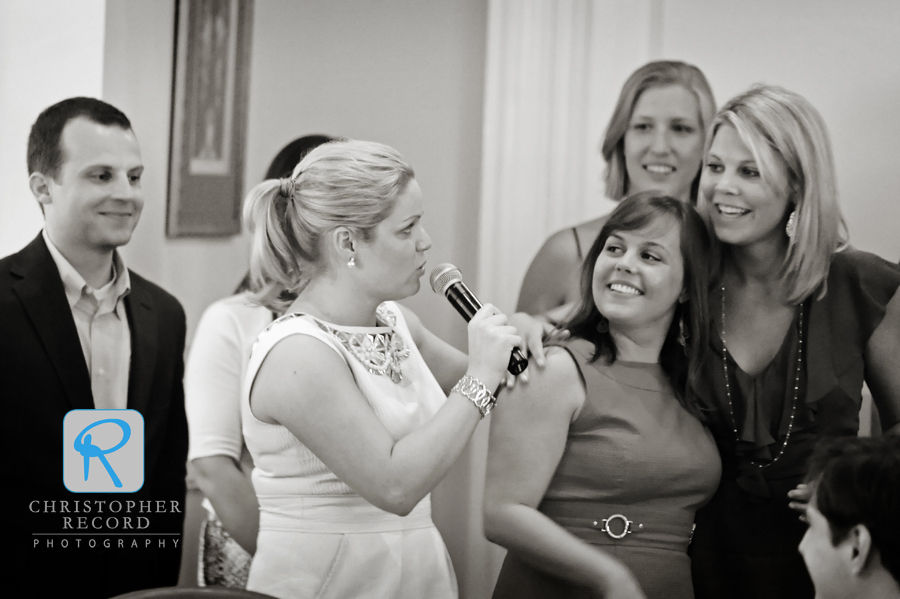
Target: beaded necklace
787, 436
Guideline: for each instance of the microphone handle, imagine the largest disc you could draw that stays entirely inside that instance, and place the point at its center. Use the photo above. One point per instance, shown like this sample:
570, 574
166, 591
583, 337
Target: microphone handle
467, 305
463, 300
517, 362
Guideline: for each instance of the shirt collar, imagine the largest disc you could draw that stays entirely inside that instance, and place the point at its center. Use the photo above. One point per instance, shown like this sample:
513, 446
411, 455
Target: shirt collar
74, 284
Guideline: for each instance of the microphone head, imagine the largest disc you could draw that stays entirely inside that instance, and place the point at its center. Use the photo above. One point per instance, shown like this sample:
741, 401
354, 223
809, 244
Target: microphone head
443, 276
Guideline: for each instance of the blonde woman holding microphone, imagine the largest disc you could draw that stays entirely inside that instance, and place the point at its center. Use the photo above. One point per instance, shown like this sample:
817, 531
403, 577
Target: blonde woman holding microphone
346, 409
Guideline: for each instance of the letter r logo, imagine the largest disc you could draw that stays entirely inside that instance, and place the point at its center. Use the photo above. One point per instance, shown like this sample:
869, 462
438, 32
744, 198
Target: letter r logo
103, 451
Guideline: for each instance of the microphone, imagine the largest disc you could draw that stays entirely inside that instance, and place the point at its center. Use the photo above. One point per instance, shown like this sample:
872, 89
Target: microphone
446, 280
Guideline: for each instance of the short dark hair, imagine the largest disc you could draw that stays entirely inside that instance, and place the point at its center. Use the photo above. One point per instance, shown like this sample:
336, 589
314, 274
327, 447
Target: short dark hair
44, 148
681, 364
857, 481
290, 155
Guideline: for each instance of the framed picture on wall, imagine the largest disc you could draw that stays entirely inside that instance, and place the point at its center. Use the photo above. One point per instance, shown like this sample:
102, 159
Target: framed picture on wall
209, 117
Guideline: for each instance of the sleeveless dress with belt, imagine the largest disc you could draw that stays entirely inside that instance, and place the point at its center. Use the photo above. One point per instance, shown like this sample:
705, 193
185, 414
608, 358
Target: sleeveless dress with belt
634, 457
317, 537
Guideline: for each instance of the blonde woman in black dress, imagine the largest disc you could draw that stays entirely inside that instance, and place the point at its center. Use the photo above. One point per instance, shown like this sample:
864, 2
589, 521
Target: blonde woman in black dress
798, 323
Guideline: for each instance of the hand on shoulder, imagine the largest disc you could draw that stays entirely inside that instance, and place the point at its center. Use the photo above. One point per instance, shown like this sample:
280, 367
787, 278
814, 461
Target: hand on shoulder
554, 389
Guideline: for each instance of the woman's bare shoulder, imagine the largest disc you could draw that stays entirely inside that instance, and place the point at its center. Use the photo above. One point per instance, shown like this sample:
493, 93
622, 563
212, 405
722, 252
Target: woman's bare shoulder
588, 230
561, 247
555, 388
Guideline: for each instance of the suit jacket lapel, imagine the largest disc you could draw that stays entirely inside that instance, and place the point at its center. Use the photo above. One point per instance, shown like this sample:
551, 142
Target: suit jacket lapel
142, 320
42, 294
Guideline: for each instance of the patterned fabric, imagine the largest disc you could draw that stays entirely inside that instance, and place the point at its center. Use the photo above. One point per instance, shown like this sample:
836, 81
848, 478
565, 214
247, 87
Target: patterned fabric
380, 353
222, 561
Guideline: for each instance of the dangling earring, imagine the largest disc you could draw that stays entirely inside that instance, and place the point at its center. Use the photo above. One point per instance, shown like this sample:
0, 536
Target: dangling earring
683, 334
791, 227
603, 325
351, 262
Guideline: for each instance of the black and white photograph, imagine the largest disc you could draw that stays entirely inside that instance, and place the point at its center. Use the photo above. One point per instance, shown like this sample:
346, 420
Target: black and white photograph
466, 299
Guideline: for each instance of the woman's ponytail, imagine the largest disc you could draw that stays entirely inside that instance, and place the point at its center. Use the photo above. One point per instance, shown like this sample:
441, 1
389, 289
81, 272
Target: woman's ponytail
275, 255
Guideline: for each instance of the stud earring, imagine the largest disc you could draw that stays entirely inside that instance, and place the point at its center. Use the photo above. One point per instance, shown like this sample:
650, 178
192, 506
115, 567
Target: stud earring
351, 262
791, 227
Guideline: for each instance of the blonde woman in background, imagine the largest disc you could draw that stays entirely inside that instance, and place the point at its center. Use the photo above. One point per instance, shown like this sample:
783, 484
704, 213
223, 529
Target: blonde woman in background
654, 141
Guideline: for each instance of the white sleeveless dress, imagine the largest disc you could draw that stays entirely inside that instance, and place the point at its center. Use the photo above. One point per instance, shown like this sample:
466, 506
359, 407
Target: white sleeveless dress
317, 537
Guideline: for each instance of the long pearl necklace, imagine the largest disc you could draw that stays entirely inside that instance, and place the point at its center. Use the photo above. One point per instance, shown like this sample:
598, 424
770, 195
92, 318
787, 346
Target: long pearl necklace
787, 436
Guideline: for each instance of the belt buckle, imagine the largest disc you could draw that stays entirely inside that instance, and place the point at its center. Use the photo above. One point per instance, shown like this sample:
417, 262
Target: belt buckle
604, 526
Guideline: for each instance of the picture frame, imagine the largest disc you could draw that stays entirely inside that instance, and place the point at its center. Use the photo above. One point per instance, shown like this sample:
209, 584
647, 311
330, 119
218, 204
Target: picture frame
209, 117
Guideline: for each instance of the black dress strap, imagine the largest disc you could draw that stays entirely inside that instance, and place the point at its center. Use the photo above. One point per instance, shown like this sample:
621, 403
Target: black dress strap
577, 243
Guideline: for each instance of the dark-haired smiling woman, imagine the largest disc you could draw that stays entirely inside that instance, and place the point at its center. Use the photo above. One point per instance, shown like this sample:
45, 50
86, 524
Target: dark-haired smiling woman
797, 326
597, 466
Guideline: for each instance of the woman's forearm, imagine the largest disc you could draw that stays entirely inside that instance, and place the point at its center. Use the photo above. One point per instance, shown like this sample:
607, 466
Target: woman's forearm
420, 460
537, 540
232, 496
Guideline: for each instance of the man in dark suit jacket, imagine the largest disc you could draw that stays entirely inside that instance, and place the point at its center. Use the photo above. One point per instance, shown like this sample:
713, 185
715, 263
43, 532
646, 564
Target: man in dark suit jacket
80, 331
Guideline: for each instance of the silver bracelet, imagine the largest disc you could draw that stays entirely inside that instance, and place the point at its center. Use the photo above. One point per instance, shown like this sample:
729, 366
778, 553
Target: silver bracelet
477, 393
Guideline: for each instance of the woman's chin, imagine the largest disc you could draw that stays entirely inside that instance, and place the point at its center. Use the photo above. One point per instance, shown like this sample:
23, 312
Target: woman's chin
408, 290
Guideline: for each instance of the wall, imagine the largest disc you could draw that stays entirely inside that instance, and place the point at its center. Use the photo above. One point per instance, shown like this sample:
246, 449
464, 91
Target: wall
402, 72
842, 56
553, 74
65, 60
138, 79
397, 71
